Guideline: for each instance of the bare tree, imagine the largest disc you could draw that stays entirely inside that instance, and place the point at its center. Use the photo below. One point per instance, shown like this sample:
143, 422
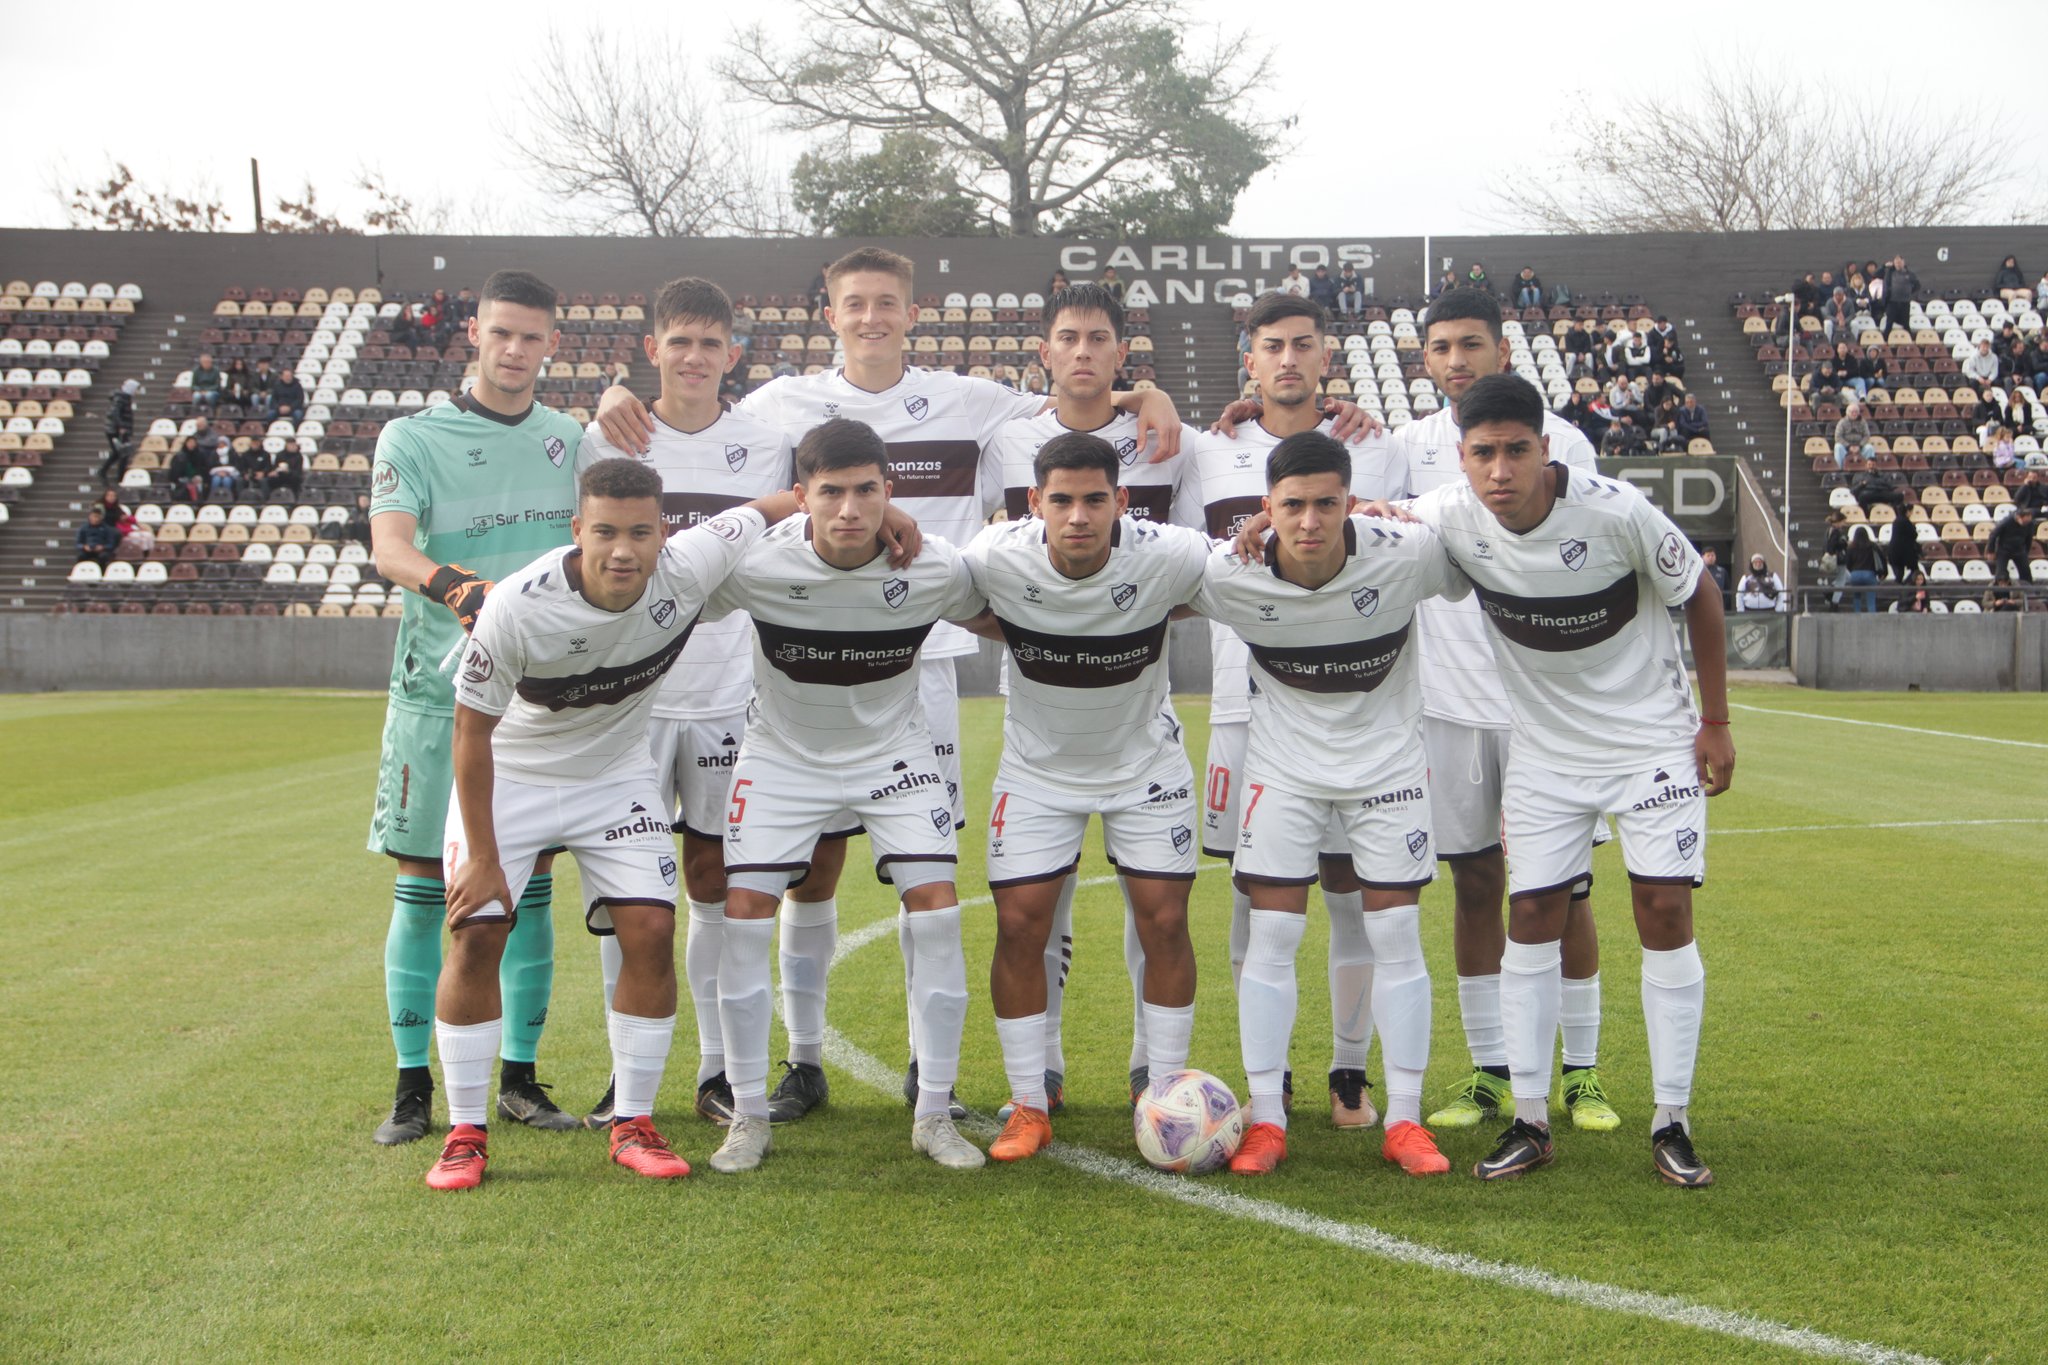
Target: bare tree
1057, 107
628, 143
121, 204
1737, 149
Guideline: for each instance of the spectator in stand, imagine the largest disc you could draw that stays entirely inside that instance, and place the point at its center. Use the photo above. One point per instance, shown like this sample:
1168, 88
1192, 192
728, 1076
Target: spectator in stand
1806, 296
1350, 292
289, 397
1578, 410
2004, 455
1635, 353
1900, 285
743, 329
2041, 291
2032, 495
1663, 339
1874, 486
1834, 553
1903, 552
1822, 385
1692, 419
1623, 439
1660, 393
120, 429
263, 391
1849, 368
1981, 368
1445, 283
253, 463
1863, 564
1294, 282
464, 306
286, 472
1760, 589
1056, 283
2001, 597
1110, 282
1578, 348
1852, 436
1323, 289
1475, 278
357, 527
2008, 544
205, 384
1710, 558
116, 515
821, 296
234, 384
97, 541
1665, 437
1528, 289
1622, 397
1836, 314
188, 470
225, 476
1917, 604
2008, 276
405, 327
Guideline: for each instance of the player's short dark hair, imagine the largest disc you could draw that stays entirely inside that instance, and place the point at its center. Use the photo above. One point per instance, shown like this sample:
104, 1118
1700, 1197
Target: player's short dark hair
1464, 305
618, 477
871, 259
522, 288
1074, 450
1502, 397
694, 299
1085, 298
841, 443
1277, 307
1308, 452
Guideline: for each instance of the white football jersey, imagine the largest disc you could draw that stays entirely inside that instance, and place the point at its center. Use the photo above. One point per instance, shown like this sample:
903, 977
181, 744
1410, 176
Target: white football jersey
733, 461
836, 650
575, 683
1007, 476
1088, 708
1337, 702
1225, 485
1460, 681
936, 425
1578, 620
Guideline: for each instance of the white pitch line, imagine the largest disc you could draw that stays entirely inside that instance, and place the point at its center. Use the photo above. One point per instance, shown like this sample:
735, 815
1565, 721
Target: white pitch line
1887, 824
1886, 725
1359, 1237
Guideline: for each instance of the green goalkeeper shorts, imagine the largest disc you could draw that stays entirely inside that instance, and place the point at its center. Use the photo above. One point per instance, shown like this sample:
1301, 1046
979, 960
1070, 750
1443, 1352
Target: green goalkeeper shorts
415, 778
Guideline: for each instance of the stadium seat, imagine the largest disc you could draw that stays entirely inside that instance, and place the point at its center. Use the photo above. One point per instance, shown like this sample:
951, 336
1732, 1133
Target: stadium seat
85, 571
1966, 607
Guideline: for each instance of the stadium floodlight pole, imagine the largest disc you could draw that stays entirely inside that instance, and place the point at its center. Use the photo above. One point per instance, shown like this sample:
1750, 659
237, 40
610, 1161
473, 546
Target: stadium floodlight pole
1785, 493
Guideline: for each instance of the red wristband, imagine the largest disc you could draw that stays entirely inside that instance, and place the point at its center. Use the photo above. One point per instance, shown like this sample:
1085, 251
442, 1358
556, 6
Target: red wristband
1705, 721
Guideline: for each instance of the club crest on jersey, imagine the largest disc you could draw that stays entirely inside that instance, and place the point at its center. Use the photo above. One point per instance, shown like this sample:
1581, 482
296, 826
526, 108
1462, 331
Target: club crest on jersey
478, 667
917, 407
1365, 601
1573, 552
1688, 840
735, 458
1123, 594
896, 591
1418, 842
1127, 449
1670, 555
668, 870
942, 821
557, 452
664, 612
1182, 838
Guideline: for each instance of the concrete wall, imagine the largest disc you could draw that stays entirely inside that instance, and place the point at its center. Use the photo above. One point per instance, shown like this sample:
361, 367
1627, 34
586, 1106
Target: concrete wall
1882, 652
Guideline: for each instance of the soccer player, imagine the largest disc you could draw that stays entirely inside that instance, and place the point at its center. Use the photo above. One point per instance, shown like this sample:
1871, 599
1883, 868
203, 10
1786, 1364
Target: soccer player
463, 493
1083, 594
1575, 575
551, 750
1465, 723
710, 459
935, 425
1226, 480
1331, 751
837, 742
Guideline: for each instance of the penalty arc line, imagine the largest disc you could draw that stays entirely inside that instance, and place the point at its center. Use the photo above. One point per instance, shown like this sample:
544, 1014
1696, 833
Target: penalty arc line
842, 1053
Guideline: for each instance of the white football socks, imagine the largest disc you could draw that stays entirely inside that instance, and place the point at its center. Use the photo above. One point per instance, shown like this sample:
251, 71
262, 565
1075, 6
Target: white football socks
938, 998
1167, 1031
701, 947
1579, 1017
744, 1006
1134, 967
610, 959
1530, 974
639, 1055
1240, 934
1674, 996
810, 934
905, 946
1351, 975
1059, 957
467, 1054
1266, 1003
1023, 1043
1400, 1005
1479, 1007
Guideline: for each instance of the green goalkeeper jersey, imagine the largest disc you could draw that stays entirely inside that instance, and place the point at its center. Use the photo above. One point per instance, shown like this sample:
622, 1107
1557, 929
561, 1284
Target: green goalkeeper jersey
491, 494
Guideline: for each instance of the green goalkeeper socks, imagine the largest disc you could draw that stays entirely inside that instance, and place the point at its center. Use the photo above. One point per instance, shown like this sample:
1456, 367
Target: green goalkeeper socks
412, 965
526, 977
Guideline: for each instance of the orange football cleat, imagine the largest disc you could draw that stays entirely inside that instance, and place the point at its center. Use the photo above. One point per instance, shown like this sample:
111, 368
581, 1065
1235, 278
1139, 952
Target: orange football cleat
1413, 1148
641, 1150
1028, 1133
1264, 1148
463, 1159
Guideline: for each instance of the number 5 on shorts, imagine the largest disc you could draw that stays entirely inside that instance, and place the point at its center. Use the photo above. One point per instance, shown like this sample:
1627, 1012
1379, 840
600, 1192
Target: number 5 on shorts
739, 801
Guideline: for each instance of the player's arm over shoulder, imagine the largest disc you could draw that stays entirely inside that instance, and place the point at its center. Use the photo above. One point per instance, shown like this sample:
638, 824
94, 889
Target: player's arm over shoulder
1440, 577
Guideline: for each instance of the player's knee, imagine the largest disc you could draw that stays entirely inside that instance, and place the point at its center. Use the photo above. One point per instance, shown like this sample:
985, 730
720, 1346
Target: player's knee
930, 896
704, 873
1662, 908
1021, 930
1339, 877
478, 947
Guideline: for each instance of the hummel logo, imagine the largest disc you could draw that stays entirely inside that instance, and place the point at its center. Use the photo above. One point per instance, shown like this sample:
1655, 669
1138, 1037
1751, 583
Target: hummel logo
576, 645
1031, 593
799, 593
1268, 612
476, 457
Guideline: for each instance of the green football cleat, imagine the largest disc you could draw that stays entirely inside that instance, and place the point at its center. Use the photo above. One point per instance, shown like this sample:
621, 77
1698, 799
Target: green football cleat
1586, 1098
1477, 1098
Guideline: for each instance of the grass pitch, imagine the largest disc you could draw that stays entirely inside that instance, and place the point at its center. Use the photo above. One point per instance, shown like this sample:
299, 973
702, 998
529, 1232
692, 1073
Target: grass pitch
192, 1014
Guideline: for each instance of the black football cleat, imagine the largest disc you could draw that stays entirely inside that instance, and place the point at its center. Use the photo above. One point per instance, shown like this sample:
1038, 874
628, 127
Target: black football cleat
526, 1101
412, 1117
1676, 1162
600, 1116
801, 1089
1523, 1148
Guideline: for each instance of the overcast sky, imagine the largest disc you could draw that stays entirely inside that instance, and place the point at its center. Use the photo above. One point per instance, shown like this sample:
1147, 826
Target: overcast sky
1406, 113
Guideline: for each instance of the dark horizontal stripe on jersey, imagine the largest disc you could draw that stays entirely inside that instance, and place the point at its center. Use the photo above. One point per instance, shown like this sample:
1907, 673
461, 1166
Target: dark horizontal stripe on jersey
604, 686
1227, 516
1559, 625
1084, 660
839, 658
1347, 666
933, 469
681, 511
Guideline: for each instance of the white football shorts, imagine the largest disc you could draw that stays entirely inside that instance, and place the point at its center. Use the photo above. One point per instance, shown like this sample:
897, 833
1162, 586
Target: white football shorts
1148, 830
1551, 820
1386, 830
1223, 789
779, 807
693, 762
938, 693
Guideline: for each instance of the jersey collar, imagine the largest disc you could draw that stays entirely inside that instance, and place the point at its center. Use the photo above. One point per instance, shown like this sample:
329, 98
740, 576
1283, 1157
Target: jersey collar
464, 403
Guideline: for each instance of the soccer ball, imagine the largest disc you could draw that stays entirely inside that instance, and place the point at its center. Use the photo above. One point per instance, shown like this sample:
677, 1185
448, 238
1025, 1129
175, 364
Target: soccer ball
1188, 1122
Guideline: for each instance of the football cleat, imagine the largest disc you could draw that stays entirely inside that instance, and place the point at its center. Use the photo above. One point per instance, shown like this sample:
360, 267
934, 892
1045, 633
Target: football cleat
955, 1110
1350, 1105
527, 1102
1586, 1099
1055, 1097
1141, 1076
747, 1140
714, 1100
1263, 1149
801, 1089
412, 1118
1412, 1147
463, 1159
1287, 1091
1027, 1132
1479, 1097
641, 1150
1676, 1162
1523, 1148
936, 1137
600, 1116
